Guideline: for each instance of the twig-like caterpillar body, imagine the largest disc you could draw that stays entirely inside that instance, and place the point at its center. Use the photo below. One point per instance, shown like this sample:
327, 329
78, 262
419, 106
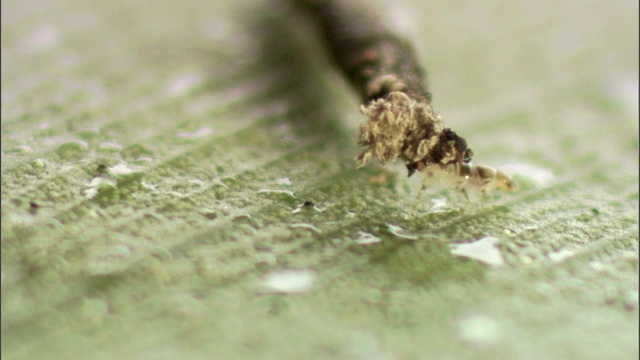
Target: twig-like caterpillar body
399, 126
401, 123
384, 69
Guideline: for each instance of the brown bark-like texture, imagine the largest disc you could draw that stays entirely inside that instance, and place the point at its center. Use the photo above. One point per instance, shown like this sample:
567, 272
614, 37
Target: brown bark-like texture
384, 69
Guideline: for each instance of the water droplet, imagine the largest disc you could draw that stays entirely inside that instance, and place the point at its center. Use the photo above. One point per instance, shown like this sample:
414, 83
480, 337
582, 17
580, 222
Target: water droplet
364, 238
109, 147
289, 281
400, 232
483, 250
143, 160
306, 226
98, 184
121, 169
439, 205
38, 164
72, 149
277, 191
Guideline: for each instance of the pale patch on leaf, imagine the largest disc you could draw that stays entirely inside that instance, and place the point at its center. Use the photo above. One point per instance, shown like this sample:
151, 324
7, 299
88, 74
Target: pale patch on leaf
283, 181
400, 232
560, 255
366, 238
97, 184
306, 226
479, 330
121, 169
483, 250
276, 191
289, 281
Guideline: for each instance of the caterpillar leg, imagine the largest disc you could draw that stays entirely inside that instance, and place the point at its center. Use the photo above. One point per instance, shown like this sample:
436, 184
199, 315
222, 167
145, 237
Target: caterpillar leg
421, 192
466, 195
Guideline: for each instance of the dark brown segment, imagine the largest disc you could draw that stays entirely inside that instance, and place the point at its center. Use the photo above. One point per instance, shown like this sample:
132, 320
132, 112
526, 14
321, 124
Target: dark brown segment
375, 60
384, 69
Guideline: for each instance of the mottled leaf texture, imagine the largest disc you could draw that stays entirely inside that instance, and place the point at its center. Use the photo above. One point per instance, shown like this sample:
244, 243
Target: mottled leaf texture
178, 183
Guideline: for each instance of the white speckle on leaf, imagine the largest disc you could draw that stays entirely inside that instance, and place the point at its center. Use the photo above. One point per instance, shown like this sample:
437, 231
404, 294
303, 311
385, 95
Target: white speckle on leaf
483, 250
306, 226
366, 238
597, 266
276, 191
479, 330
143, 160
121, 169
283, 181
400, 232
149, 186
439, 205
197, 182
176, 194
97, 184
560, 255
109, 146
289, 281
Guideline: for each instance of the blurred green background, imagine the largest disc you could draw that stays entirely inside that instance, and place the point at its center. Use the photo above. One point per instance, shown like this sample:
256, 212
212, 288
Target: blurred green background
156, 157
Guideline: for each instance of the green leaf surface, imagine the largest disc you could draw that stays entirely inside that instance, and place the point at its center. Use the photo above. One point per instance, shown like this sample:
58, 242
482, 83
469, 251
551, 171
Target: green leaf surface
157, 158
